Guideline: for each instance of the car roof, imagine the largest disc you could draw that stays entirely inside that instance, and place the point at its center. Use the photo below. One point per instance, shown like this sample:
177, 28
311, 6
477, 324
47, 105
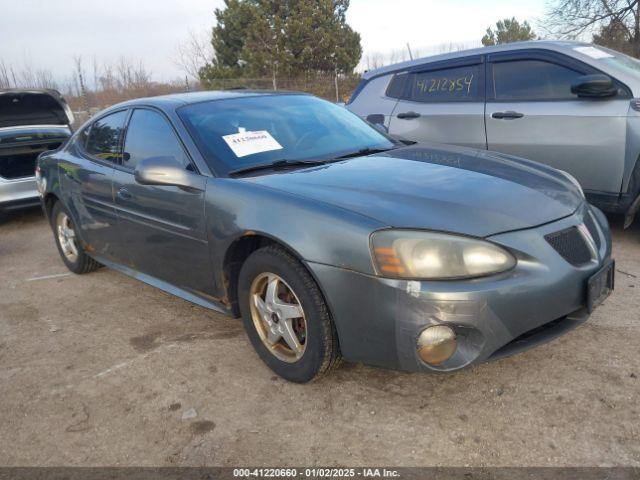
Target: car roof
558, 45
175, 100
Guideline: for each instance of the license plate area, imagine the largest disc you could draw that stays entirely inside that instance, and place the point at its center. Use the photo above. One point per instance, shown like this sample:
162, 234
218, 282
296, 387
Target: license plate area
600, 285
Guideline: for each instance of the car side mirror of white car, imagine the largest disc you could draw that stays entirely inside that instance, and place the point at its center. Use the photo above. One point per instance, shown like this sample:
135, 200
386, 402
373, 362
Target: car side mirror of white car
167, 171
594, 86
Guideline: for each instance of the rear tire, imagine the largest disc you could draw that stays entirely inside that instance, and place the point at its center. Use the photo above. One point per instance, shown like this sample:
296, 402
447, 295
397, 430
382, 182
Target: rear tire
68, 242
314, 350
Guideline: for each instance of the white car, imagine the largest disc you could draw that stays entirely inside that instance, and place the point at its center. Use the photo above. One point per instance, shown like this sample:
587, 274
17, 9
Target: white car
31, 122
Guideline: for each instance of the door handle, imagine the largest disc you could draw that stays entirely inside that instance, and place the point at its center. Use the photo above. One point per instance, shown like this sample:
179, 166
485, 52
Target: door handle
510, 115
408, 115
124, 194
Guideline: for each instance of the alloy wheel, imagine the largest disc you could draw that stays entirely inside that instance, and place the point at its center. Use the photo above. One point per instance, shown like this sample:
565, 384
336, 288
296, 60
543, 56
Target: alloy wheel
278, 317
67, 237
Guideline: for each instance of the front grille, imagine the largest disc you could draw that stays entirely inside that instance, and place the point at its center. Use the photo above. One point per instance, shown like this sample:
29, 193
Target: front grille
571, 245
593, 230
541, 334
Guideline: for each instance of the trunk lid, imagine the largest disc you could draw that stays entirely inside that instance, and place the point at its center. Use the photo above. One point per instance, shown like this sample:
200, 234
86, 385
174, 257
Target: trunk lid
19, 107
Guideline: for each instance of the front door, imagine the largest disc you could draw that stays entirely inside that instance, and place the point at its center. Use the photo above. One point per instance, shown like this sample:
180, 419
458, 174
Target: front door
532, 113
163, 227
443, 104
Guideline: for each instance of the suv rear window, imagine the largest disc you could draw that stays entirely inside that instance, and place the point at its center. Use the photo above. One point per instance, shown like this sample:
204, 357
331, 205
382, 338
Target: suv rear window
397, 85
459, 84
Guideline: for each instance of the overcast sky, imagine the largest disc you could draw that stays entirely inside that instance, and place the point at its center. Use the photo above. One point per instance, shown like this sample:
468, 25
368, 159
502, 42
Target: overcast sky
46, 34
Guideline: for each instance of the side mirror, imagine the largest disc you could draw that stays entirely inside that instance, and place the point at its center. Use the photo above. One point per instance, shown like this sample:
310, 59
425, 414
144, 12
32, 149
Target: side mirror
376, 120
594, 86
167, 171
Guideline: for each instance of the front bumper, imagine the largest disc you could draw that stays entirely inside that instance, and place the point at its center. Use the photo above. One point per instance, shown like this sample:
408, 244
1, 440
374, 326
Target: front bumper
18, 193
379, 320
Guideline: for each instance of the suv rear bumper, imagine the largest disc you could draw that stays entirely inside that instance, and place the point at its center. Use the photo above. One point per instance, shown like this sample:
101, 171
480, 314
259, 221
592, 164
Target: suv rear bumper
19, 193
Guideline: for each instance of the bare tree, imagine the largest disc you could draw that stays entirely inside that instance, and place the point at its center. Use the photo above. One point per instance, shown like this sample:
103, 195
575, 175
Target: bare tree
193, 53
5, 75
574, 18
26, 77
373, 60
81, 85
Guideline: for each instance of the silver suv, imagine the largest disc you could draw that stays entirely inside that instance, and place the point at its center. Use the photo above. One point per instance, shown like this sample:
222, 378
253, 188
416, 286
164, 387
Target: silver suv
570, 105
31, 122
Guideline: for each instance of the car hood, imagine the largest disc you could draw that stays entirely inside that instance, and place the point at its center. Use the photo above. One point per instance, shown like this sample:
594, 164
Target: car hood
450, 189
33, 107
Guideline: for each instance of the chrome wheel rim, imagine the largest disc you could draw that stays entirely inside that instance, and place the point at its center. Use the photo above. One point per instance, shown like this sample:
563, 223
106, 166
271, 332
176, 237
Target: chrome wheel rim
66, 237
278, 317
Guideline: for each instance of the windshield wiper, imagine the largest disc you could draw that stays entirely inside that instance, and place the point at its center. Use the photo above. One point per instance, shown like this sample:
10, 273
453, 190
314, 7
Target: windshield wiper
364, 151
285, 163
278, 164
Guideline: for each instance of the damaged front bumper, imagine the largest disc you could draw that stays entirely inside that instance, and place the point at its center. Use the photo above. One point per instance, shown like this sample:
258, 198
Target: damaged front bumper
379, 320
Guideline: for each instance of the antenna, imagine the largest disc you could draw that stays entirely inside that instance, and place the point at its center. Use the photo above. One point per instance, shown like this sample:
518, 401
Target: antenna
410, 54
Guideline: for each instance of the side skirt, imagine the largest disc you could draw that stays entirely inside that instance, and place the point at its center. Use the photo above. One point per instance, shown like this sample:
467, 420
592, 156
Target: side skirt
198, 299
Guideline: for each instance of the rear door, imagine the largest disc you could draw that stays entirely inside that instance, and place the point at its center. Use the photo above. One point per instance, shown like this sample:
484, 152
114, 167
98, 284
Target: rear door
532, 113
86, 175
443, 103
163, 227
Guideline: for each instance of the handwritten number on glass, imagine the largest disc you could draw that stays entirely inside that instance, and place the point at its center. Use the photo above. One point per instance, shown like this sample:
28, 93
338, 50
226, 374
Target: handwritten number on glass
444, 84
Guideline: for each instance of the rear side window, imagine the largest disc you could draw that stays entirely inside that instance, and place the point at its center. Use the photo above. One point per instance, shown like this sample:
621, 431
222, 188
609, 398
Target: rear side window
533, 80
150, 135
460, 84
397, 85
103, 139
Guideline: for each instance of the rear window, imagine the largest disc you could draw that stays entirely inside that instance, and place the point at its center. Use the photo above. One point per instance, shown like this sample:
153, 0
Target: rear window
397, 85
103, 138
459, 84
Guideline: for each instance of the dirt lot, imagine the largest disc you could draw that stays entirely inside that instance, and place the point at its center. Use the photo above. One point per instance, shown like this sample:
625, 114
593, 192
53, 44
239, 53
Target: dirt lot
103, 370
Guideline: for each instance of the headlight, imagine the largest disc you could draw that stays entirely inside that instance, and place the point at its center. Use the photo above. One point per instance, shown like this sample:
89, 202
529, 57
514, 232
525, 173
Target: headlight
573, 180
412, 254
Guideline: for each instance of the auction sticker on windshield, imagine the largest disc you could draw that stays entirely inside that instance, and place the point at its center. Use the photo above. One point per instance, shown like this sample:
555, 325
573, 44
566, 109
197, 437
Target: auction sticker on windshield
249, 143
593, 52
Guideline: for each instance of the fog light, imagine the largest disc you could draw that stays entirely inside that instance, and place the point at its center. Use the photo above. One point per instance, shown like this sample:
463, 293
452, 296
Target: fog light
436, 344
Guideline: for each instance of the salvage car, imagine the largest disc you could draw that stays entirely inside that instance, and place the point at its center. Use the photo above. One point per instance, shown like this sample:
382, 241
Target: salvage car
570, 105
327, 237
31, 122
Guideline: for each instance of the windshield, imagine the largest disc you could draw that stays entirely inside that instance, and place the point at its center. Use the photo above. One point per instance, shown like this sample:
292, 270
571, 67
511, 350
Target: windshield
612, 58
257, 130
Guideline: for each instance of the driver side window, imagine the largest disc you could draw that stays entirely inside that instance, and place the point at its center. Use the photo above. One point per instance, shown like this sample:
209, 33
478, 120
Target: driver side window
150, 135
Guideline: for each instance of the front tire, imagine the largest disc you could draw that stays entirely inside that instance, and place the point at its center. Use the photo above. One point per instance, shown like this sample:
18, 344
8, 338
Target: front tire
286, 317
68, 242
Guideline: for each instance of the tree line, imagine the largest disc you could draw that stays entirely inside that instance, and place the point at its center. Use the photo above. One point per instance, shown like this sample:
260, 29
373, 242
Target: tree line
289, 38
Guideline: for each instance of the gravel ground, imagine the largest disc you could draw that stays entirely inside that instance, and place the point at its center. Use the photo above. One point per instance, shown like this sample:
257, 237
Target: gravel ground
103, 370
